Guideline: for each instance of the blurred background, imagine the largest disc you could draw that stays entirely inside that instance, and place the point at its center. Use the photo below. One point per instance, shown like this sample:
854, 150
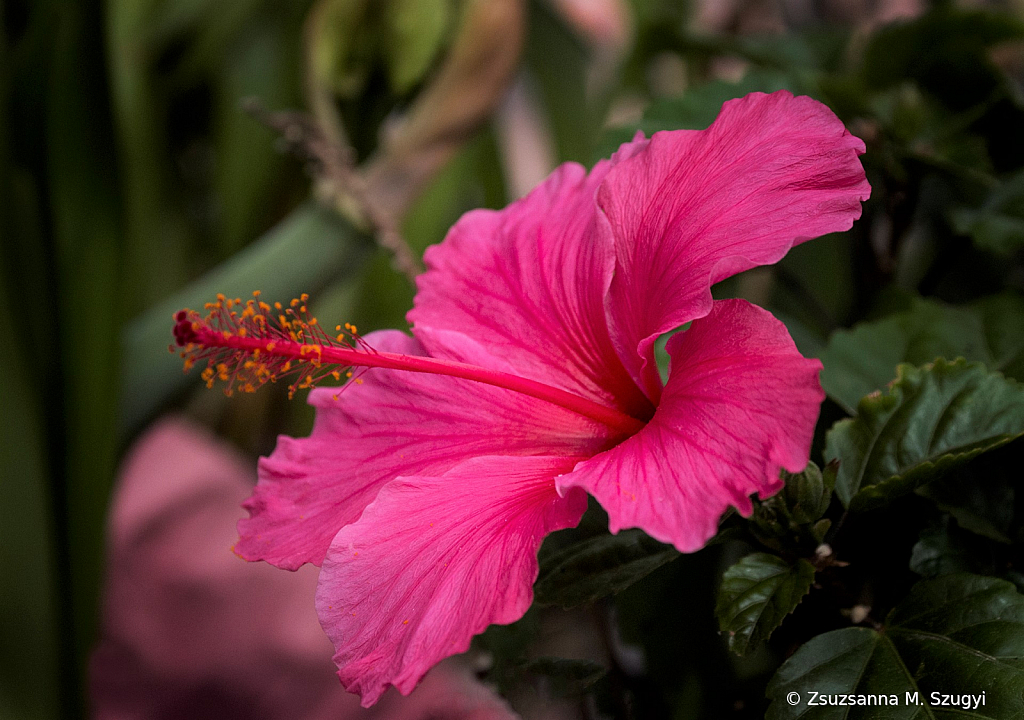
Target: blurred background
156, 152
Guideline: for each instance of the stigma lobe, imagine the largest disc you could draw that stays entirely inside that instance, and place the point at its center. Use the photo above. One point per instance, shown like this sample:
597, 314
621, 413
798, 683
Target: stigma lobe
248, 344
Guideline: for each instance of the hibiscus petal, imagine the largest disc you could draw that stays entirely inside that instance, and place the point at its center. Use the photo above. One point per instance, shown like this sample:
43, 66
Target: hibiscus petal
392, 423
740, 404
695, 207
529, 283
434, 561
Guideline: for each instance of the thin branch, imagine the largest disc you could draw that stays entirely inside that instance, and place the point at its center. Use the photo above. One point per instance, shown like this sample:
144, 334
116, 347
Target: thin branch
338, 179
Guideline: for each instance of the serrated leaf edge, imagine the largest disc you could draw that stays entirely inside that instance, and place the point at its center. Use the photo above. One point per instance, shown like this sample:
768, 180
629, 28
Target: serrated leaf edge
789, 569
882, 402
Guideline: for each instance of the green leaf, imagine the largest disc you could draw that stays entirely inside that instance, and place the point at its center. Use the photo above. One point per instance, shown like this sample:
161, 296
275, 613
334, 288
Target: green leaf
863, 359
757, 594
1002, 317
981, 497
342, 45
566, 677
941, 550
945, 51
998, 225
87, 242
248, 172
558, 61
956, 635
415, 32
599, 566
31, 656
932, 419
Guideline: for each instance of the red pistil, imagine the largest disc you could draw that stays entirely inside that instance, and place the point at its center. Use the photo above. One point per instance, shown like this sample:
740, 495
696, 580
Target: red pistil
250, 344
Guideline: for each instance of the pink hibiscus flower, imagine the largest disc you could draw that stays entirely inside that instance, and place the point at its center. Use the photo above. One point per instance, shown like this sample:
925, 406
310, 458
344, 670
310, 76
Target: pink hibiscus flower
425, 495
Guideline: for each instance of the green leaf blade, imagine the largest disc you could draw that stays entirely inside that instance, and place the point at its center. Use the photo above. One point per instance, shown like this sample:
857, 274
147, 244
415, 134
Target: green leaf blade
757, 594
600, 566
864, 358
852, 661
955, 635
932, 419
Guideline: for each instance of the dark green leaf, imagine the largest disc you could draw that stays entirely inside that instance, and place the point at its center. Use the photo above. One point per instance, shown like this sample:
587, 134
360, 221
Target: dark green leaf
557, 60
932, 419
945, 51
956, 635
940, 551
342, 45
1002, 317
415, 32
981, 497
248, 168
757, 594
88, 244
599, 566
30, 652
997, 225
863, 359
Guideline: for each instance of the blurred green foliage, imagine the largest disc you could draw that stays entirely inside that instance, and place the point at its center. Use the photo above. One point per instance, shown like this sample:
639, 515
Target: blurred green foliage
134, 184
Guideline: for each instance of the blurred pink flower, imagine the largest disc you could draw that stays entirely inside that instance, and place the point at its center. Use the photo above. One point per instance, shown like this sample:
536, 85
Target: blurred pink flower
189, 631
602, 22
426, 496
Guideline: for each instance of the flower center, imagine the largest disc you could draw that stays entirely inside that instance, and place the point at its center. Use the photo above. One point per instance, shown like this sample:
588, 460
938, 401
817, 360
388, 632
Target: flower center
248, 344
